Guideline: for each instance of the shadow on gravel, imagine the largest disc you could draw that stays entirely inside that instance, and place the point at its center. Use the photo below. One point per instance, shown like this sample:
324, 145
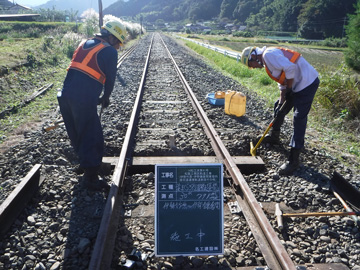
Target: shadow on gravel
313, 176
121, 80
86, 212
124, 244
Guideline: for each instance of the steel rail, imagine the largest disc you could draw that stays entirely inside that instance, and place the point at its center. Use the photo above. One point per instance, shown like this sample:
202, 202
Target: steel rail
17, 200
273, 251
125, 54
104, 245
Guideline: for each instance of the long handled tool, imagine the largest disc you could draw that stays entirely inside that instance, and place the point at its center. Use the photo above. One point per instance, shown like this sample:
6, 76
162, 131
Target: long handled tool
342, 190
347, 208
346, 190
321, 214
279, 215
252, 148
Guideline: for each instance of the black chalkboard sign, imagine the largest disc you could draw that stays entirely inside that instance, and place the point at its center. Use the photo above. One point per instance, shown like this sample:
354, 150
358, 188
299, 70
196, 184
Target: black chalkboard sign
189, 210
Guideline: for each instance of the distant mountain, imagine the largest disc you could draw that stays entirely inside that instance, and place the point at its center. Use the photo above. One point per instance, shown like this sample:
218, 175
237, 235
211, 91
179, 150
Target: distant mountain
80, 5
5, 4
168, 10
312, 19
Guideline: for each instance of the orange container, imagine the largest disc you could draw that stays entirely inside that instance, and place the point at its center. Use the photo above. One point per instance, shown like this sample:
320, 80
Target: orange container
219, 94
235, 103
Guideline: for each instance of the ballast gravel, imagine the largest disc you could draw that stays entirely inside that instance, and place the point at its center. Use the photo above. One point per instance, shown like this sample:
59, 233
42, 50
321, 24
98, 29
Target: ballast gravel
58, 228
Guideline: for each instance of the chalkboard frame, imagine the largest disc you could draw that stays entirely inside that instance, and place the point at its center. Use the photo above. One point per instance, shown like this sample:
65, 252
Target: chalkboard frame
184, 222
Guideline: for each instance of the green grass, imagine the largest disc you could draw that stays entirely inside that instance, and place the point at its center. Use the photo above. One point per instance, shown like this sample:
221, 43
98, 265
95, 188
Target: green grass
47, 57
336, 107
35, 110
46, 63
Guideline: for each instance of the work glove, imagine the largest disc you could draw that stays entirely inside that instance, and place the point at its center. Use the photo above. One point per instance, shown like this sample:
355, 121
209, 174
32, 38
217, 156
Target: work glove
277, 107
104, 102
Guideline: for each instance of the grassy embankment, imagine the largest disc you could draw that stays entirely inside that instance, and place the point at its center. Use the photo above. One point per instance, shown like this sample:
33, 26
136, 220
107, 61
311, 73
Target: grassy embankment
32, 55
335, 113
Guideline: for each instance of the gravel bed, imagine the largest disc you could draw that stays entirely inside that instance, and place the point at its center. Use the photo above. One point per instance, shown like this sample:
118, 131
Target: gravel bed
58, 228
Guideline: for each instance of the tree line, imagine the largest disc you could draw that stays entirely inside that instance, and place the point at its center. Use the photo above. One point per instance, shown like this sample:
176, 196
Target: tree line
311, 19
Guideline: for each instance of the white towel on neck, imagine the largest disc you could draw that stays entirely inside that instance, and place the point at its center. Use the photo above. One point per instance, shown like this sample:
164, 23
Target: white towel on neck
257, 51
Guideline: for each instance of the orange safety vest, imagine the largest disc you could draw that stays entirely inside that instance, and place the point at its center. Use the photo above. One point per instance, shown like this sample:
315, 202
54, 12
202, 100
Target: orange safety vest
292, 56
85, 60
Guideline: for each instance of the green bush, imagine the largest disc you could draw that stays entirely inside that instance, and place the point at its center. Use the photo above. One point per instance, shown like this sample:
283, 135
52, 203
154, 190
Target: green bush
332, 42
35, 29
352, 55
70, 41
243, 34
340, 93
31, 60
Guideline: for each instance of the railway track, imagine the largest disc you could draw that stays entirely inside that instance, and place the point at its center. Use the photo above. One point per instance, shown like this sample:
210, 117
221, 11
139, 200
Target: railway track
159, 124
164, 65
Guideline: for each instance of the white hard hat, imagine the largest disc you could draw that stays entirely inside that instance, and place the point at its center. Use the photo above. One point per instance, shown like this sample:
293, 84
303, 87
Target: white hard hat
245, 55
117, 29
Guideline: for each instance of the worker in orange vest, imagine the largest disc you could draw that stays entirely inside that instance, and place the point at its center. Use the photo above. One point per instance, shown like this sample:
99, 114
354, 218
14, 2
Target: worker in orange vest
93, 68
298, 82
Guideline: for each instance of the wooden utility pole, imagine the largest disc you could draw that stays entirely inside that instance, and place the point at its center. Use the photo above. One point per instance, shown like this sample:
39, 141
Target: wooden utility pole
100, 14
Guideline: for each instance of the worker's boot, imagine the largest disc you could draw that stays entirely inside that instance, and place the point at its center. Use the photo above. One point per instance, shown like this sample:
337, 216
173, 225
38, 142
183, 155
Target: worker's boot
273, 137
91, 180
78, 169
292, 164
105, 168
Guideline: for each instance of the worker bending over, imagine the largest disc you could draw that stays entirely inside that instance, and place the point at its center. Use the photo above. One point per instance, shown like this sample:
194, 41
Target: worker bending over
298, 82
92, 68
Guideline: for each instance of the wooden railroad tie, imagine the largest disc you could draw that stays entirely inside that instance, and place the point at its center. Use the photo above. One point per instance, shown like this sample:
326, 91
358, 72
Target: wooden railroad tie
247, 164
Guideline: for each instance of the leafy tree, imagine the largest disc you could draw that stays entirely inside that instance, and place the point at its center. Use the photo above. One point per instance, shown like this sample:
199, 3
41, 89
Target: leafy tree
320, 19
194, 12
261, 20
276, 15
227, 8
245, 8
178, 14
51, 15
352, 55
313, 19
167, 13
73, 15
203, 9
285, 14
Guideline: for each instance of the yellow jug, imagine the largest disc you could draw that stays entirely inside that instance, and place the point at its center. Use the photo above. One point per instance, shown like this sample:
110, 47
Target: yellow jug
235, 103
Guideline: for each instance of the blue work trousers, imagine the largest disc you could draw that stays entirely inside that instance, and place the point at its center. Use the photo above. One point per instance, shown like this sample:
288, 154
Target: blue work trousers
301, 102
84, 129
